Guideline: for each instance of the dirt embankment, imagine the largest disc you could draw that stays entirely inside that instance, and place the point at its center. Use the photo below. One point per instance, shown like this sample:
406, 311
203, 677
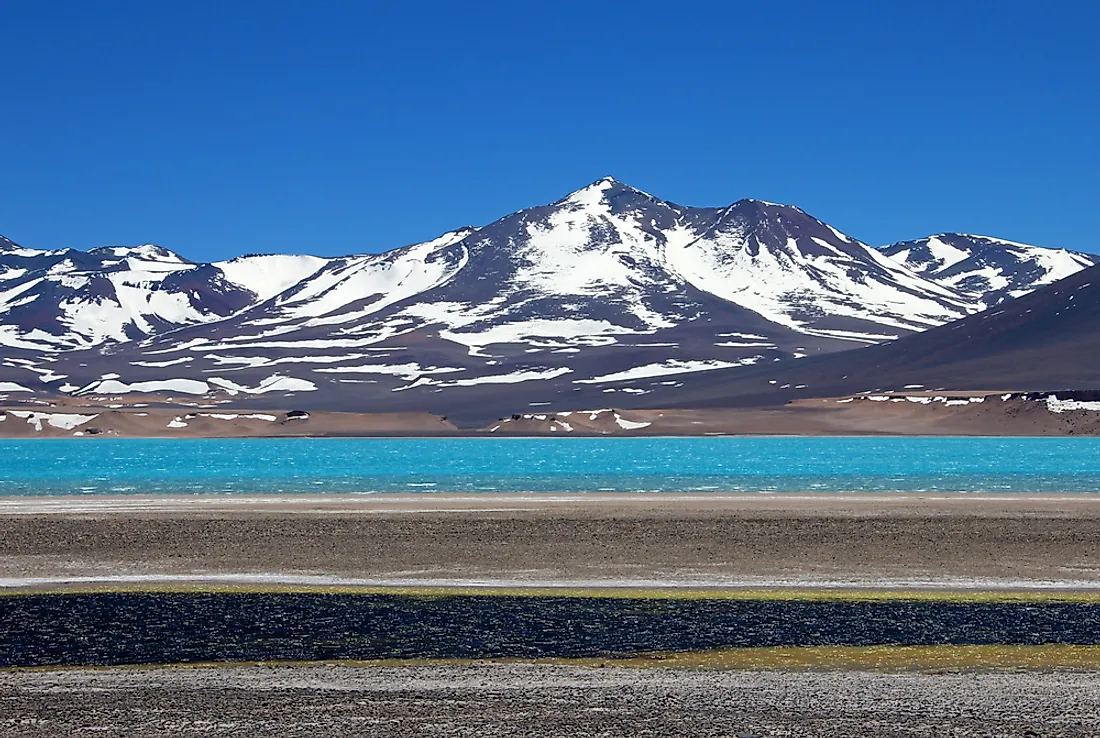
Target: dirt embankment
188, 422
914, 413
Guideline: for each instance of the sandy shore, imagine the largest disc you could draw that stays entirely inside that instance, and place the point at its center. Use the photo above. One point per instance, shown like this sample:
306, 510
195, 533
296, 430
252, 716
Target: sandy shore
523, 700
968, 541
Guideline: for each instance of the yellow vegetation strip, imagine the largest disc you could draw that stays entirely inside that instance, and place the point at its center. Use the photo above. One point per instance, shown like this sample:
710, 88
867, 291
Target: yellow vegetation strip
943, 658
873, 658
1091, 597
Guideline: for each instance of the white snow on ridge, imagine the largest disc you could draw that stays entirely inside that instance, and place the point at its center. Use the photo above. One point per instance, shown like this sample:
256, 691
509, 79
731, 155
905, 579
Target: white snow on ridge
235, 416
162, 364
13, 296
115, 387
850, 335
1016, 268
944, 255
773, 284
7, 275
520, 375
513, 377
268, 275
110, 301
629, 424
63, 421
1054, 264
406, 371
572, 331
672, 366
991, 277
274, 383
743, 344
13, 387
1057, 263
148, 253
1055, 405
558, 257
839, 235
391, 277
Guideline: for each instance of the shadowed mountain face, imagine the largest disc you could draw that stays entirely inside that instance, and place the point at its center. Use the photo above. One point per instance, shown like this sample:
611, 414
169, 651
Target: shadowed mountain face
607, 296
1044, 341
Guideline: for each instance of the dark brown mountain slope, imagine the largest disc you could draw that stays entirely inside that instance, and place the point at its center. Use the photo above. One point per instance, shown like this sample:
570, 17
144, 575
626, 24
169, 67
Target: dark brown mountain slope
1047, 340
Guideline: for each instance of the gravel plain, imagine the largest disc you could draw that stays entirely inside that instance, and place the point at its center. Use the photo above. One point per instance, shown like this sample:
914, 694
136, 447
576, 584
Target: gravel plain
705, 540
528, 700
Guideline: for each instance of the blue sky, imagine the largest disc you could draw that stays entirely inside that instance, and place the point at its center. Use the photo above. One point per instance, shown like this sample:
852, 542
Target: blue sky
219, 128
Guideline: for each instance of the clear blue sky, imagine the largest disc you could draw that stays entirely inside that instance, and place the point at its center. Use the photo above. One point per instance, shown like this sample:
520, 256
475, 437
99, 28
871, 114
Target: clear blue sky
218, 128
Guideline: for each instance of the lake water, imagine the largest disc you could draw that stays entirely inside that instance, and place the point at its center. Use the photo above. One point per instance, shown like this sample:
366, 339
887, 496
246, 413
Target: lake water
484, 465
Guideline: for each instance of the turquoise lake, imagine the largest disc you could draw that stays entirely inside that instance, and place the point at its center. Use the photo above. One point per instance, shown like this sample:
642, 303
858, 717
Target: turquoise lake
476, 465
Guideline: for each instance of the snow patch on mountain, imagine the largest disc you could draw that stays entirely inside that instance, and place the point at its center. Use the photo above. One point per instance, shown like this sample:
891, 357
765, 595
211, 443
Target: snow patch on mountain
793, 281
990, 270
672, 366
515, 377
583, 248
375, 281
69, 300
408, 371
630, 424
63, 421
116, 387
1055, 405
543, 333
937, 256
111, 384
274, 383
270, 274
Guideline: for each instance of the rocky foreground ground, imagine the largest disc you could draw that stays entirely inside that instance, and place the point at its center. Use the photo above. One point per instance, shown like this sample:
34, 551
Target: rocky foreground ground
1028, 541
528, 700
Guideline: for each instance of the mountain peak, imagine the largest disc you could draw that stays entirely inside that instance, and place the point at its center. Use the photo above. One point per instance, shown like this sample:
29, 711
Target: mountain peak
991, 240
749, 201
601, 191
146, 252
11, 248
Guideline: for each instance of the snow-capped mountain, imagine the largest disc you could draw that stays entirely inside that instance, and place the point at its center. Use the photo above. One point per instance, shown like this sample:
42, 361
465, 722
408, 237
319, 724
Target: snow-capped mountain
990, 269
609, 259
1040, 342
68, 299
608, 290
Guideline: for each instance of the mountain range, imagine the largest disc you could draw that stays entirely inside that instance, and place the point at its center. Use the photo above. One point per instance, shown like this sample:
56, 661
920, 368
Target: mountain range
607, 296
